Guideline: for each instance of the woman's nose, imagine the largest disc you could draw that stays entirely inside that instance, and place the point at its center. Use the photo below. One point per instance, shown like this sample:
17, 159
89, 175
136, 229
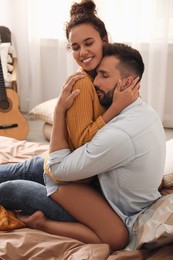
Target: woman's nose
83, 51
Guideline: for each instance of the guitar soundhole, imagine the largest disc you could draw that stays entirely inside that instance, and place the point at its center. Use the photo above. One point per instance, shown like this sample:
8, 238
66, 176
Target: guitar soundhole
4, 105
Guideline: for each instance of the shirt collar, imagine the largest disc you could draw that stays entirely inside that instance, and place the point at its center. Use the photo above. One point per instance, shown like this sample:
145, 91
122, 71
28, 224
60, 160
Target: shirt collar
137, 102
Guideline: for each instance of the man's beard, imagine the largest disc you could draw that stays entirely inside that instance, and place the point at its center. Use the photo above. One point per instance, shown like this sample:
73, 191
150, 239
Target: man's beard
106, 100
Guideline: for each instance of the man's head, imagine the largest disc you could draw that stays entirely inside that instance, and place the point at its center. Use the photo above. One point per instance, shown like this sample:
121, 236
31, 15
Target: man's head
120, 62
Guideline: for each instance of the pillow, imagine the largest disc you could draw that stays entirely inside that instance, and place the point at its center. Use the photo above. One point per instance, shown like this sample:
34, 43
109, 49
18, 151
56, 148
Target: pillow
44, 111
154, 227
47, 130
168, 171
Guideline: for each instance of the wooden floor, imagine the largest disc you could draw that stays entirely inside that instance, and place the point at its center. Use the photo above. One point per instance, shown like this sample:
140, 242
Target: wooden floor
36, 131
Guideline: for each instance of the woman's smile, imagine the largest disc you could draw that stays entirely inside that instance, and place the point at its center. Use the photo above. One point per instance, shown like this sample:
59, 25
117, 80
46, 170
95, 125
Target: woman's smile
87, 60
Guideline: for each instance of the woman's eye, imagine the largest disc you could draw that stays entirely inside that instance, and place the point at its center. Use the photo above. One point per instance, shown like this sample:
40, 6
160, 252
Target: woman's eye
75, 48
89, 42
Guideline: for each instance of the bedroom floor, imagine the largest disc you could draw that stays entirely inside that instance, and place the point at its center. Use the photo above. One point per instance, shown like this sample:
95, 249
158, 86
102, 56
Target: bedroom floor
36, 131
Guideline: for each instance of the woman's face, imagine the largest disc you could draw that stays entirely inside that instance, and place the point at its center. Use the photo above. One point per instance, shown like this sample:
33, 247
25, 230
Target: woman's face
86, 45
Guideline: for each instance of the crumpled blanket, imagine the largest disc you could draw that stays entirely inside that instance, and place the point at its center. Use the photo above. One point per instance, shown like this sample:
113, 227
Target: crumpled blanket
8, 220
14, 151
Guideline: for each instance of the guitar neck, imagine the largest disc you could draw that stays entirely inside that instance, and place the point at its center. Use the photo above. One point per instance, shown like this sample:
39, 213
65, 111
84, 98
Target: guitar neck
3, 94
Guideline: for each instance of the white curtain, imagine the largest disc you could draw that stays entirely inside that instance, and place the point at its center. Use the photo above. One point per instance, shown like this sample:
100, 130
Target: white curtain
148, 26
43, 62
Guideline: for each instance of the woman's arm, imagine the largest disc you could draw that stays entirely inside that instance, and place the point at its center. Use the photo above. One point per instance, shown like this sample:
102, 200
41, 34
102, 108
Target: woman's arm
84, 116
59, 136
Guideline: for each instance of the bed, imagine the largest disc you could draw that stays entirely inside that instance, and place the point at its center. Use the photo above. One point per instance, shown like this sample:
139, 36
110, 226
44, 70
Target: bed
152, 233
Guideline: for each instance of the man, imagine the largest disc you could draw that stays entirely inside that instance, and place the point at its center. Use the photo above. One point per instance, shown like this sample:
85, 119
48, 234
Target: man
127, 154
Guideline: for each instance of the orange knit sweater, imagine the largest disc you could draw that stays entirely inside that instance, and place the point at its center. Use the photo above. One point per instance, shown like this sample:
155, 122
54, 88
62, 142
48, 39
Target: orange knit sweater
83, 118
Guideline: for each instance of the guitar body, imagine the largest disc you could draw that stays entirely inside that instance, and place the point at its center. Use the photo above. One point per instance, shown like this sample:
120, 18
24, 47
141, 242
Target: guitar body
12, 122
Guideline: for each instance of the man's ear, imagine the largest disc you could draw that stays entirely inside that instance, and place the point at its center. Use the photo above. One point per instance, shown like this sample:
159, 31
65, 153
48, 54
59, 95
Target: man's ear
126, 82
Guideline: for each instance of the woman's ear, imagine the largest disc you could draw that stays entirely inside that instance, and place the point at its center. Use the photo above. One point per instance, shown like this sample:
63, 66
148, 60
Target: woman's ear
105, 39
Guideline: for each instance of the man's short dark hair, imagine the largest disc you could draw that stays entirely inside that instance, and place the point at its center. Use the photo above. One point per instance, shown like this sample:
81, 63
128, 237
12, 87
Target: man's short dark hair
131, 62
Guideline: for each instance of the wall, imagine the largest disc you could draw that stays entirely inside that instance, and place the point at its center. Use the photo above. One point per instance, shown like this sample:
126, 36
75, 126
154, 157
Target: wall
154, 100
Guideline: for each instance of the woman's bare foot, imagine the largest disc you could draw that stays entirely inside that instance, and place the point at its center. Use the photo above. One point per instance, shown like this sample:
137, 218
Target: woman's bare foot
35, 221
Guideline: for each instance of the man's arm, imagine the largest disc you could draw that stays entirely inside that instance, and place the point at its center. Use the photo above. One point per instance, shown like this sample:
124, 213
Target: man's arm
110, 148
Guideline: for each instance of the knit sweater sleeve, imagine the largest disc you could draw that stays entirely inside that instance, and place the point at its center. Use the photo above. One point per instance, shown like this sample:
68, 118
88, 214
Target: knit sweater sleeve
84, 117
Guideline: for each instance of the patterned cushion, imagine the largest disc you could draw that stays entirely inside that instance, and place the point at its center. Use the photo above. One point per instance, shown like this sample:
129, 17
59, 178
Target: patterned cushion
44, 111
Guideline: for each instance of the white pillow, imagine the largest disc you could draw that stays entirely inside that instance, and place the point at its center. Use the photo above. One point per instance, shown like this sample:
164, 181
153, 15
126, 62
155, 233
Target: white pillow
44, 111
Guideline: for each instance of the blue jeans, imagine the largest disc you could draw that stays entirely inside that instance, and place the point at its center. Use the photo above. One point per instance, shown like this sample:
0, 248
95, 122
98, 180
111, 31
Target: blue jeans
31, 169
22, 188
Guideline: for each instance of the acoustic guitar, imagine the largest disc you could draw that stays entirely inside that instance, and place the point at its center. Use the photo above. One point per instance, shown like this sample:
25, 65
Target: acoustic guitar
12, 123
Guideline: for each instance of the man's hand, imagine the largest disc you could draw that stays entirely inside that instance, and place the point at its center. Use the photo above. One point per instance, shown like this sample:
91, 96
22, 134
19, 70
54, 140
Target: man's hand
67, 95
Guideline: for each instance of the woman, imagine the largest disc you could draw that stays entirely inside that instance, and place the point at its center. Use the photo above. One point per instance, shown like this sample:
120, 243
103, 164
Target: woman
83, 118
86, 34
